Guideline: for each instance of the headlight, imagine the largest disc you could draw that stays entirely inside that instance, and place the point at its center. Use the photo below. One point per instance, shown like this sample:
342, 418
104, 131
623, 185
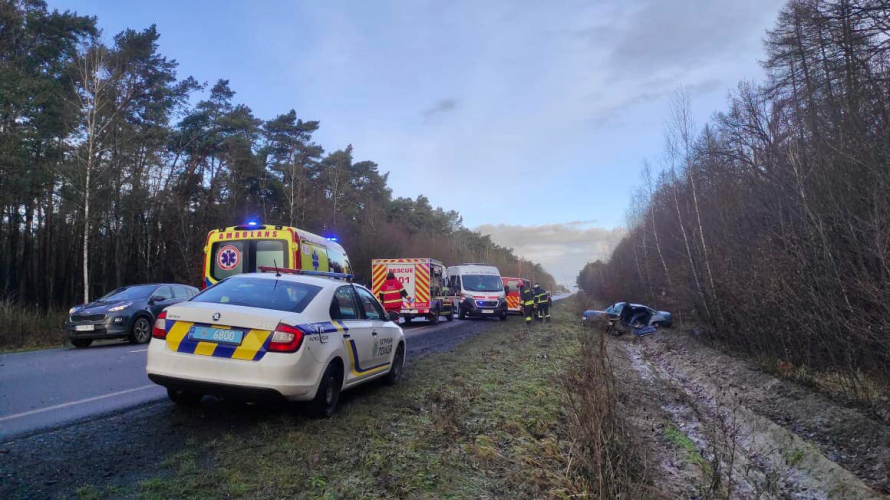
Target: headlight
71, 311
120, 307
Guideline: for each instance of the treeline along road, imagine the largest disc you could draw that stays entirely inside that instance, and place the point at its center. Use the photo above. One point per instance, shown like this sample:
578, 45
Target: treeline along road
113, 168
769, 225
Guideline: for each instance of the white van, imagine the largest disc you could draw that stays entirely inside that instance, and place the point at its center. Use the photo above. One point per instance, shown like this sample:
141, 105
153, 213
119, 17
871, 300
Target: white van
478, 291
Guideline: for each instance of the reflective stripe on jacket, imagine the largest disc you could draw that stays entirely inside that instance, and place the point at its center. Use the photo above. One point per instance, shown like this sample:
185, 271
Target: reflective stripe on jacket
391, 294
528, 297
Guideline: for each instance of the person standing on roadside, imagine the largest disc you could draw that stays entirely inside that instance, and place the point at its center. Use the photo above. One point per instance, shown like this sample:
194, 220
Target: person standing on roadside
542, 303
391, 293
527, 296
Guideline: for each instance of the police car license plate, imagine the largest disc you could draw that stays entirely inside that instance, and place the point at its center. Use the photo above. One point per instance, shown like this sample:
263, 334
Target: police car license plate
84, 328
488, 311
216, 335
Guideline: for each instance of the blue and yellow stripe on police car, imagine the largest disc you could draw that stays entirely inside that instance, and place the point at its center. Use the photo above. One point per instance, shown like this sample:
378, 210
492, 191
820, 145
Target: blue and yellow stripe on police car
253, 346
354, 362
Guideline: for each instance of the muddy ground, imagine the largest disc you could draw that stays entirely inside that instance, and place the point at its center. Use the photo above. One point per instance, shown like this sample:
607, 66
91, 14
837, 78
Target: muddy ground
714, 425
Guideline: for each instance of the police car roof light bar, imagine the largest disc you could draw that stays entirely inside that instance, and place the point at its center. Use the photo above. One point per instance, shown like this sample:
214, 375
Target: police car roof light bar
341, 276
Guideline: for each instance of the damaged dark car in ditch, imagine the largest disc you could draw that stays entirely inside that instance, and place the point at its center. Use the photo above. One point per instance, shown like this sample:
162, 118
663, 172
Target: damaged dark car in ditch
639, 319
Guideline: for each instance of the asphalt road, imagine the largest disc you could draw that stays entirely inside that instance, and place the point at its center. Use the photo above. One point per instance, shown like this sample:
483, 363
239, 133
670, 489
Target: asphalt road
45, 389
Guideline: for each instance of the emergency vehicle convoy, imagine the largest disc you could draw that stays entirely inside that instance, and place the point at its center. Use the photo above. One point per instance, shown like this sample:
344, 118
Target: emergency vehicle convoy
280, 333
478, 291
424, 283
244, 249
511, 288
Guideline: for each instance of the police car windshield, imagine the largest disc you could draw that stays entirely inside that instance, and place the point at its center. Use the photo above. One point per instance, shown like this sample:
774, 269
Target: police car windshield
280, 295
130, 293
482, 283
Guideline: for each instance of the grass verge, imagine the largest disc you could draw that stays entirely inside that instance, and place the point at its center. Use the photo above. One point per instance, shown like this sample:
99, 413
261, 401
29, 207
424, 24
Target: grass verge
25, 328
488, 419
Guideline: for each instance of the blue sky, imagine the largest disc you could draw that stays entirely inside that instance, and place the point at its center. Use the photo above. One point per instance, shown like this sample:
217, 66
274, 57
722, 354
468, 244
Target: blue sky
476, 104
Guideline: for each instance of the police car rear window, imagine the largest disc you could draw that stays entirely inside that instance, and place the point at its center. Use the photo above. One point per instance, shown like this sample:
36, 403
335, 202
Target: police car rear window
279, 295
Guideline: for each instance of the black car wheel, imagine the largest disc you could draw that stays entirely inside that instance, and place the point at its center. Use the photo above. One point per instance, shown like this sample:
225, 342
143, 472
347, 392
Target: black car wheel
81, 343
398, 362
184, 398
328, 396
140, 333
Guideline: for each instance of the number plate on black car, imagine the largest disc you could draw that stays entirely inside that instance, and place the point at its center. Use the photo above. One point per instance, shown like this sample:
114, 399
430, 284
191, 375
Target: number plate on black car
220, 335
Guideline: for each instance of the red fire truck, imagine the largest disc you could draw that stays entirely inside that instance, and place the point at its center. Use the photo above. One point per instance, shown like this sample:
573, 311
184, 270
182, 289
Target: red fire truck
511, 287
424, 281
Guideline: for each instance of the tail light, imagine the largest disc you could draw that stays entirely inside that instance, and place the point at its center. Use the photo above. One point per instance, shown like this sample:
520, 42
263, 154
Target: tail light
286, 338
160, 329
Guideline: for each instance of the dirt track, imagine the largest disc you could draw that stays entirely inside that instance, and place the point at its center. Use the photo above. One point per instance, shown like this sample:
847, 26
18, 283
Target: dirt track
778, 439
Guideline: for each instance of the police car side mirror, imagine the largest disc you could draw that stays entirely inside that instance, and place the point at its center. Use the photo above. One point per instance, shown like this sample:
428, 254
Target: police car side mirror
393, 316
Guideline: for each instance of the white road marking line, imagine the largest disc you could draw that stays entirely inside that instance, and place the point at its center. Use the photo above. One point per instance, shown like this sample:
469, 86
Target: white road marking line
73, 403
140, 350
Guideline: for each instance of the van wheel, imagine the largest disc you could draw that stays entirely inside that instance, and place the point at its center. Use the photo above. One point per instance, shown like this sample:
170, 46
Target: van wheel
461, 314
503, 317
328, 396
398, 363
434, 317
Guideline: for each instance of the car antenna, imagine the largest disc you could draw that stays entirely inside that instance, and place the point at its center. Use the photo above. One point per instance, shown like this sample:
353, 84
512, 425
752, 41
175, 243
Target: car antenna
277, 272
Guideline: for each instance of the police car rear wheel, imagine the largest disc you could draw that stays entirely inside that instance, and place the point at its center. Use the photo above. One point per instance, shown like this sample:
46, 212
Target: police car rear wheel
184, 398
398, 363
328, 396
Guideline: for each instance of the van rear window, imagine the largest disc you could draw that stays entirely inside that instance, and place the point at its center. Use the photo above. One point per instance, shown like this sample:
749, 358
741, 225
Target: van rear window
246, 256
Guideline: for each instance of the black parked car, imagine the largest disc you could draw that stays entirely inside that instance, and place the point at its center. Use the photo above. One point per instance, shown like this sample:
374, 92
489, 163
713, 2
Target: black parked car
128, 312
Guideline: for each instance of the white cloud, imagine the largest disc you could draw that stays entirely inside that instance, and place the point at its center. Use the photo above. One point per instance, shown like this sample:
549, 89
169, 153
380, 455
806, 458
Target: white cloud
562, 248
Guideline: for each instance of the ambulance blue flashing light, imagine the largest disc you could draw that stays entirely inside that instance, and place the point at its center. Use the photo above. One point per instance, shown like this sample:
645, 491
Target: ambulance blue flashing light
252, 223
333, 238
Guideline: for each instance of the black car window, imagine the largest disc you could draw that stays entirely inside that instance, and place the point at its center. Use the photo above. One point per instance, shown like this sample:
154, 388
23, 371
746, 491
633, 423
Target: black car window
138, 292
163, 292
180, 292
343, 306
370, 307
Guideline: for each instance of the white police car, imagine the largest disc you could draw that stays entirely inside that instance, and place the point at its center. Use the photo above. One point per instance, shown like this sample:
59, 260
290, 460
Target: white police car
297, 335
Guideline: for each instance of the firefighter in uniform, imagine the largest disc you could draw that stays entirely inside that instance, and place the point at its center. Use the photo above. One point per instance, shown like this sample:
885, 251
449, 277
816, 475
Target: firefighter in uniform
541, 300
527, 297
391, 293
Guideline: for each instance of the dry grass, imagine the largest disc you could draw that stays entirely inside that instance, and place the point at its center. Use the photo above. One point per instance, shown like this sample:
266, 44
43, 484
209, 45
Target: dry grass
29, 327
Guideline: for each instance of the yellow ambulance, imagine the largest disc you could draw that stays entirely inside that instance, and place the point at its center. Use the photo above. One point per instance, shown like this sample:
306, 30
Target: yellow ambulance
243, 249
